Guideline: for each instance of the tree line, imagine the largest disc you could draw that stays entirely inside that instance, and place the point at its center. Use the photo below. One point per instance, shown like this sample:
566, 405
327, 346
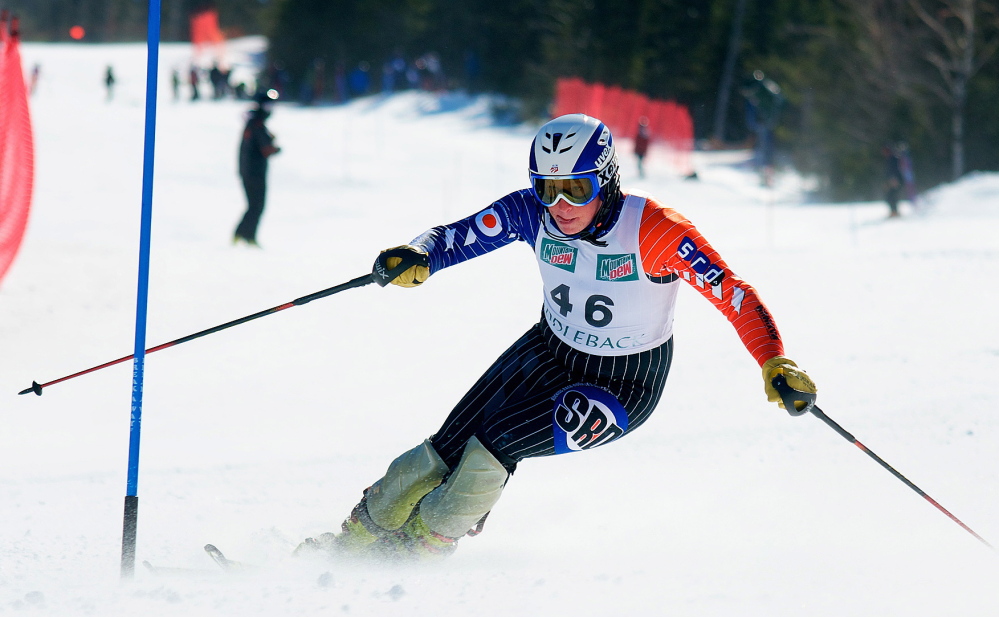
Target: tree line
854, 75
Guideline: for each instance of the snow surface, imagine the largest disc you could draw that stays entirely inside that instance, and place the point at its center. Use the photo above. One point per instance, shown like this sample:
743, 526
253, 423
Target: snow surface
266, 433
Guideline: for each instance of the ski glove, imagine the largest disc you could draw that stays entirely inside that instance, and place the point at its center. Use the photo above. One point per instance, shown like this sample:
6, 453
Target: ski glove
796, 378
406, 266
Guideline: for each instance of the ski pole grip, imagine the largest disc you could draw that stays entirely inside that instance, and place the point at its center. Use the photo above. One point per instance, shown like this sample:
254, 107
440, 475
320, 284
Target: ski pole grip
796, 402
383, 275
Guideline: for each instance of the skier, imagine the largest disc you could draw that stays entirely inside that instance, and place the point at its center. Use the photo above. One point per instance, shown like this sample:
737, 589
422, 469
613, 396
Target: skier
588, 373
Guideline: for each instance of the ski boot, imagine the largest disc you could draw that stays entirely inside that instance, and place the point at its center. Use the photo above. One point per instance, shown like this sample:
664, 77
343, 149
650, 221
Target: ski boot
386, 505
415, 541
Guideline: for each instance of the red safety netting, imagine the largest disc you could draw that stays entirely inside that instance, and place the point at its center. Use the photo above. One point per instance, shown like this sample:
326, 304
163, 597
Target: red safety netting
17, 152
207, 36
621, 109
205, 30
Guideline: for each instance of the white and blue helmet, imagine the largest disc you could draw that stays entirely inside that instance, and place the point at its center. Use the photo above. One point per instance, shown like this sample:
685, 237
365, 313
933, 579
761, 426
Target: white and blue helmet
573, 158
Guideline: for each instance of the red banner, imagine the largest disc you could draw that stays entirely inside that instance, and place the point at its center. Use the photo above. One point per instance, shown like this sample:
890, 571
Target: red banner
621, 110
17, 152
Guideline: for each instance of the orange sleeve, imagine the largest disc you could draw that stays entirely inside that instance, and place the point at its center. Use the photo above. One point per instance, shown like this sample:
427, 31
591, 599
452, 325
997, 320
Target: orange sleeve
672, 247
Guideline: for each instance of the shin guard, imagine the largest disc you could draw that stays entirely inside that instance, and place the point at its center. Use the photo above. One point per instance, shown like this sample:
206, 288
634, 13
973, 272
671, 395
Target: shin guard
453, 508
391, 500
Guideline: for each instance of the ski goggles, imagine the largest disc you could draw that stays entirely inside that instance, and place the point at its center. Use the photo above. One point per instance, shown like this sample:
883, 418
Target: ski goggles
578, 189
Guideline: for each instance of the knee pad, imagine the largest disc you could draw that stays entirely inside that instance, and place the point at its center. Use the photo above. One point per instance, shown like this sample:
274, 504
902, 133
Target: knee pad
472, 490
412, 475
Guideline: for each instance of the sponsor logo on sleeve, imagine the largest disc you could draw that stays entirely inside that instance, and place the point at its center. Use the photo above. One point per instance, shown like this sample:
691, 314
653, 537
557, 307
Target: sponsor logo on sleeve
768, 322
586, 417
699, 262
617, 267
559, 255
707, 272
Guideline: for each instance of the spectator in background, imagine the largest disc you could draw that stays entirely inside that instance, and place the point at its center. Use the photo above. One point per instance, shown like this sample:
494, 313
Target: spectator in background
908, 174
318, 80
217, 80
340, 93
311, 90
255, 148
764, 103
359, 81
194, 79
278, 79
642, 144
894, 180
175, 83
472, 71
36, 73
398, 65
109, 82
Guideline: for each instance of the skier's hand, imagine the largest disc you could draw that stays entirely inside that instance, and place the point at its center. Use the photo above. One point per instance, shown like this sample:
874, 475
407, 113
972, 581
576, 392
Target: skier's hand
406, 266
796, 378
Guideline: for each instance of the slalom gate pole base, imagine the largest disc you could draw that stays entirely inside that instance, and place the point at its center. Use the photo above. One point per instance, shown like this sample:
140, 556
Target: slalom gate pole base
128, 537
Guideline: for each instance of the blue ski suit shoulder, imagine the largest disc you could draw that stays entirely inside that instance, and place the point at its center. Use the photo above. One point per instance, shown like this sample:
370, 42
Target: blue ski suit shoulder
516, 216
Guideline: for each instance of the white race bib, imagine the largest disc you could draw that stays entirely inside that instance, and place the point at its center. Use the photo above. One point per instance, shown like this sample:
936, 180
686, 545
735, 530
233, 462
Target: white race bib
599, 299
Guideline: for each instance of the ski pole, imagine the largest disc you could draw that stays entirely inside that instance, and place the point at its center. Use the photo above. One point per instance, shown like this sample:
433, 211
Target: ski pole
358, 282
798, 403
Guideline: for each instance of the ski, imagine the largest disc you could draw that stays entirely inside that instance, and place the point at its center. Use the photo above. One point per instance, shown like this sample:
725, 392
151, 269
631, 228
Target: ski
227, 566
175, 571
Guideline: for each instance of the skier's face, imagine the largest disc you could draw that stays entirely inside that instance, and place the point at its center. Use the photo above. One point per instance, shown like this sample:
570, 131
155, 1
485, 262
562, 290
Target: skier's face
572, 219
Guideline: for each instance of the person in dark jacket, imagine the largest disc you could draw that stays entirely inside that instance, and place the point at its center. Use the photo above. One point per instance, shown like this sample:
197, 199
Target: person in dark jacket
109, 82
894, 179
255, 148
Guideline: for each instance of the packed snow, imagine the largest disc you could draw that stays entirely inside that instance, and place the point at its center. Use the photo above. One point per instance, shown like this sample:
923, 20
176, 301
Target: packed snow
266, 433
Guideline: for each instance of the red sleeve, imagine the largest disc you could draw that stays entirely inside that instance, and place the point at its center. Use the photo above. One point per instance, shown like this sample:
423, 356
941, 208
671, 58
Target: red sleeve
670, 245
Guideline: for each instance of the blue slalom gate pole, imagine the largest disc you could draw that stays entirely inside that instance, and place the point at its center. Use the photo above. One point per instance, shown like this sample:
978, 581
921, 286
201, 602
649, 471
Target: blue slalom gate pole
131, 493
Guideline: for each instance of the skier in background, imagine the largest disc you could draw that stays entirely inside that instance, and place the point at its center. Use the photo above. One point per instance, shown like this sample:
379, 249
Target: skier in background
256, 146
588, 373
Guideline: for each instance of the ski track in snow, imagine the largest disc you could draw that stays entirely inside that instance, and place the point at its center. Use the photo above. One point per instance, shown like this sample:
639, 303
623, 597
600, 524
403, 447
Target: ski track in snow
259, 436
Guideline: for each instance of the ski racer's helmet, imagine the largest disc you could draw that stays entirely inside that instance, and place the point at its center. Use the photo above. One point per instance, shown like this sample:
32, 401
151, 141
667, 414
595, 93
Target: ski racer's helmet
573, 157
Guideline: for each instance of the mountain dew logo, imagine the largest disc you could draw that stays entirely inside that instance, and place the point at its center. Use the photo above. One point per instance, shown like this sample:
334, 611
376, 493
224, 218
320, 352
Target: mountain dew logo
617, 268
559, 255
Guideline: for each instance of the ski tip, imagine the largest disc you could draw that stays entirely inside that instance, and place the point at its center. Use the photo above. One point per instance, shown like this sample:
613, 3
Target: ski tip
212, 550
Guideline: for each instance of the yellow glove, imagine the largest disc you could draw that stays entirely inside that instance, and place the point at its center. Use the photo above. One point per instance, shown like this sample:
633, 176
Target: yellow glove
405, 265
796, 378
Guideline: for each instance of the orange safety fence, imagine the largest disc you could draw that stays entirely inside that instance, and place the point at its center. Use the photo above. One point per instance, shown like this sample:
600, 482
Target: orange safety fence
206, 35
621, 109
17, 153
205, 28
